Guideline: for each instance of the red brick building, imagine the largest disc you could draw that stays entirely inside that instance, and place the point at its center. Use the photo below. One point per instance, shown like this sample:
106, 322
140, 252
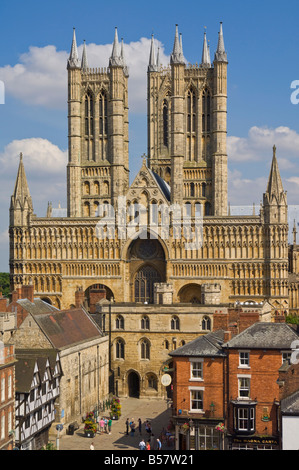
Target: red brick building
235, 381
7, 396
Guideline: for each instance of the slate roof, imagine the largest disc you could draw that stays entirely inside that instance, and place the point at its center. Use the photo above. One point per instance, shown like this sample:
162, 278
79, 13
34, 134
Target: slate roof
36, 307
25, 364
290, 405
165, 188
208, 345
264, 335
63, 328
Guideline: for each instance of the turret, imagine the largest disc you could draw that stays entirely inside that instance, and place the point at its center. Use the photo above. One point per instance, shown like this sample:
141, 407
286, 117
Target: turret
220, 129
118, 74
74, 119
177, 120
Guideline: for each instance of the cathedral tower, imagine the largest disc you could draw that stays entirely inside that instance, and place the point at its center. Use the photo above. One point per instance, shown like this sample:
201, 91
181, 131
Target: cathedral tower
98, 132
187, 126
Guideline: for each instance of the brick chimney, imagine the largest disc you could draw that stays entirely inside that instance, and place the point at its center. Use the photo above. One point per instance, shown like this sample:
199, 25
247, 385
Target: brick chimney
3, 303
79, 297
95, 295
27, 292
246, 319
220, 321
227, 336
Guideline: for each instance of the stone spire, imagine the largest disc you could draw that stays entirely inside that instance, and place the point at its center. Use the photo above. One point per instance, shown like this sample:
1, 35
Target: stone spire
275, 187
122, 56
73, 61
116, 59
275, 198
21, 202
84, 63
206, 62
152, 66
177, 56
220, 55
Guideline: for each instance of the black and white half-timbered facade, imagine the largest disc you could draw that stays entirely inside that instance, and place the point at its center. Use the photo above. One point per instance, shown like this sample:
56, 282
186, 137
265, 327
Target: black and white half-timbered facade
37, 388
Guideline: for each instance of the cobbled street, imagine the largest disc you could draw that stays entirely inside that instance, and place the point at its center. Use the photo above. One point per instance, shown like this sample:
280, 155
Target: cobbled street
155, 411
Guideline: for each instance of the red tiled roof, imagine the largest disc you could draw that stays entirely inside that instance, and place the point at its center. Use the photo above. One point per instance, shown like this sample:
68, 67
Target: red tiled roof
68, 327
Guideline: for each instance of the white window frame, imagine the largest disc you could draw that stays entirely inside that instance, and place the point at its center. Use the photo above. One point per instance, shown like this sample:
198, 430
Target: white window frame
249, 419
200, 370
241, 387
197, 389
244, 359
2, 386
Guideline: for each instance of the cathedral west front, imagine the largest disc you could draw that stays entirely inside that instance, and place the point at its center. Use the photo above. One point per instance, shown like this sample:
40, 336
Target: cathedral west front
161, 255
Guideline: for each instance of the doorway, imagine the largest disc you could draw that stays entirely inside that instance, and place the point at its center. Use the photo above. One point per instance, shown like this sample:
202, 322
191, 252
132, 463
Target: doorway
133, 385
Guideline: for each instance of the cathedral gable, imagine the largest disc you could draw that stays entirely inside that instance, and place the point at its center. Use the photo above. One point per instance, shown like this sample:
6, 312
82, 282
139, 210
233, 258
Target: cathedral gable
147, 187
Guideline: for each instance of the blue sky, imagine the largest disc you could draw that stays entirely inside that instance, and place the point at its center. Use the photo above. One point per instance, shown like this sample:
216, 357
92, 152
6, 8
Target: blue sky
261, 38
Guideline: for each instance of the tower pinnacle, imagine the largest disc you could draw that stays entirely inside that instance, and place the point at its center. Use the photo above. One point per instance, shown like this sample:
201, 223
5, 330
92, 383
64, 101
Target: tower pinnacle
73, 61
177, 53
221, 55
84, 63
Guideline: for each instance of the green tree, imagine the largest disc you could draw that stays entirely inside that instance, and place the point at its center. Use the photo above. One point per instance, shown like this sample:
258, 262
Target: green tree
5, 284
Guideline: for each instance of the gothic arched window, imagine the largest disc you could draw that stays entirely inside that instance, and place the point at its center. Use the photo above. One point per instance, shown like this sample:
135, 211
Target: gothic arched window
103, 114
206, 324
119, 322
144, 284
120, 349
145, 323
88, 115
145, 349
206, 111
191, 111
165, 124
175, 323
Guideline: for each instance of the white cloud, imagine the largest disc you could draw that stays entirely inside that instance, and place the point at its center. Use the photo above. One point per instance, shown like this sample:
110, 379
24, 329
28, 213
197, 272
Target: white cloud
40, 77
41, 157
259, 143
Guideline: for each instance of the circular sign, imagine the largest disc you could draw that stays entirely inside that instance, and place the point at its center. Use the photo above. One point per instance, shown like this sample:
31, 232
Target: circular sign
166, 380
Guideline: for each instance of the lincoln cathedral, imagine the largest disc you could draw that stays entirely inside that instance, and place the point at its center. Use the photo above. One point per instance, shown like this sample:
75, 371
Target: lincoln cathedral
146, 282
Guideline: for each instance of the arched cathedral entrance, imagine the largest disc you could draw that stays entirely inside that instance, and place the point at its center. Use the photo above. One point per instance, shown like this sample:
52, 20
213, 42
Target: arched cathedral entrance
147, 266
133, 385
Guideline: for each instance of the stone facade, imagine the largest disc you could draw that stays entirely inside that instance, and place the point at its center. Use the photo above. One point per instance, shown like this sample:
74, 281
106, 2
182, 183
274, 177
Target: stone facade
129, 249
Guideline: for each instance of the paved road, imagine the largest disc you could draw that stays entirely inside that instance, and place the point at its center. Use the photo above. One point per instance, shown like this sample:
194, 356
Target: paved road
155, 411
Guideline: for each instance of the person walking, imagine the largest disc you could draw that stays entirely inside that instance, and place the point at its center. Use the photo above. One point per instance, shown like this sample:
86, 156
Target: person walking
140, 426
102, 425
109, 425
133, 426
148, 446
142, 445
127, 426
158, 445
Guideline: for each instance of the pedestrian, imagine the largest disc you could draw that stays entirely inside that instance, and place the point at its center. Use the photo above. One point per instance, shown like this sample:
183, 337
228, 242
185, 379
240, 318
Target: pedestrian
140, 426
102, 425
152, 441
127, 426
159, 445
109, 425
133, 426
91, 446
142, 445
148, 446
106, 425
